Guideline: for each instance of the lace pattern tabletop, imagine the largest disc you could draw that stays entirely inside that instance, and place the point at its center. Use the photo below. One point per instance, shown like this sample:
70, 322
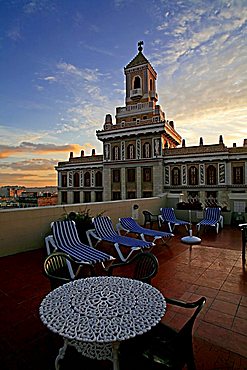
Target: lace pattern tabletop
102, 309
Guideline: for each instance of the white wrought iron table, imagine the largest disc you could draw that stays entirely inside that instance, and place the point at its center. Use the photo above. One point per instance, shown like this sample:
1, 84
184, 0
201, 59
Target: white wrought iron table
95, 314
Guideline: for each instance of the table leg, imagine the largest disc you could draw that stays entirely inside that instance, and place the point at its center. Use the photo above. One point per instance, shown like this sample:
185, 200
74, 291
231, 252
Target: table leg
115, 360
61, 354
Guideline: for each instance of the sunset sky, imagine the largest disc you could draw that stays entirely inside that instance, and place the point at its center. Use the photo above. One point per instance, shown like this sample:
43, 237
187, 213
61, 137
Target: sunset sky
61, 72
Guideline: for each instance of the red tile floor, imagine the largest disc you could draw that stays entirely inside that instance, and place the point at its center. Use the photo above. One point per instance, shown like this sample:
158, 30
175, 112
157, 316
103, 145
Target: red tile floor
212, 269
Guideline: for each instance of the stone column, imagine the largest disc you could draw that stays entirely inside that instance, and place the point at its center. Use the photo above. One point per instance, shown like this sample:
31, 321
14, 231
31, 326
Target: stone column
106, 184
123, 183
138, 182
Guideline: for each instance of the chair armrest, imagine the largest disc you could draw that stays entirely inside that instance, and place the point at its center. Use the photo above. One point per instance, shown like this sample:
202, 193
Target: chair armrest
49, 241
177, 302
91, 233
119, 227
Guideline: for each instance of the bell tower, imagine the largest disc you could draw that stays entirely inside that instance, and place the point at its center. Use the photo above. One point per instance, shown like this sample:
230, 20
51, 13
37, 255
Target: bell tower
140, 79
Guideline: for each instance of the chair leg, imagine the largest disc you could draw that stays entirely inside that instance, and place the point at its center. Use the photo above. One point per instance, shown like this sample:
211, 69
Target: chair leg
170, 227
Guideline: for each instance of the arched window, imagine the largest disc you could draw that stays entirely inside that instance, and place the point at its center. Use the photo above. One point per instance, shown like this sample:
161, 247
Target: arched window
193, 176
76, 180
176, 176
130, 151
87, 179
211, 175
115, 153
137, 82
146, 151
98, 178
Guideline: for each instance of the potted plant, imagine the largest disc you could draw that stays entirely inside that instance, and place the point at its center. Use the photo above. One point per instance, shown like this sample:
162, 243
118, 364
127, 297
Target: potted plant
83, 221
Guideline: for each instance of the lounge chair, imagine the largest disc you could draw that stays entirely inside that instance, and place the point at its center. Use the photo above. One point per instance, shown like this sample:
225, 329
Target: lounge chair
212, 218
65, 239
129, 225
168, 216
104, 231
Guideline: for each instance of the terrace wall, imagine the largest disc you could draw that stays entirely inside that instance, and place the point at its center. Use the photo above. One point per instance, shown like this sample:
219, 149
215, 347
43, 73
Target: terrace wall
25, 229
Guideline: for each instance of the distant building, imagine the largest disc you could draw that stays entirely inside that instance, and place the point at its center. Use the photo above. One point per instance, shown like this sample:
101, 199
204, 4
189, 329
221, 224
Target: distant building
141, 157
22, 197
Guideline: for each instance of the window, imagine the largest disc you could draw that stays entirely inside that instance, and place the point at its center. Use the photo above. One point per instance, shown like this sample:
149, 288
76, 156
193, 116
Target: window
98, 196
145, 117
64, 197
147, 194
211, 175
116, 176
116, 195
147, 174
76, 180
146, 150
131, 195
130, 151
87, 196
137, 82
115, 153
193, 176
151, 84
176, 177
131, 175
98, 178
238, 175
64, 180
76, 197
87, 179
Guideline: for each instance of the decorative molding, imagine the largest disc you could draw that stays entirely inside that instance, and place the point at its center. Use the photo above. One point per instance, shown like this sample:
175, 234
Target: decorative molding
184, 175
202, 174
222, 173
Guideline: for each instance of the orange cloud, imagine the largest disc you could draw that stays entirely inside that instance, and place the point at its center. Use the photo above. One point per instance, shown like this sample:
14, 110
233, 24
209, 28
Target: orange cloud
27, 147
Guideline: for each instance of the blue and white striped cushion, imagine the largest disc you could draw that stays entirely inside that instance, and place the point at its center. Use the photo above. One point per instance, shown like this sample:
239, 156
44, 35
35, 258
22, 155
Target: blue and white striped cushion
67, 240
168, 215
212, 217
131, 225
104, 229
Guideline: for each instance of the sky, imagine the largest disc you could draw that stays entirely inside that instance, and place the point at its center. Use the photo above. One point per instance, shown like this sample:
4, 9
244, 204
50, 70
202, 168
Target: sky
61, 72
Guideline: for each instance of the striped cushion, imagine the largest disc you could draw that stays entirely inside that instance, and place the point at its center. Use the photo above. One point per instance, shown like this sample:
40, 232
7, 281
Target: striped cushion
168, 215
132, 226
104, 229
212, 217
67, 240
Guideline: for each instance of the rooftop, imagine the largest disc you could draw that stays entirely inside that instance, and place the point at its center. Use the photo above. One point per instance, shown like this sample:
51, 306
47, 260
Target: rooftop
213, 269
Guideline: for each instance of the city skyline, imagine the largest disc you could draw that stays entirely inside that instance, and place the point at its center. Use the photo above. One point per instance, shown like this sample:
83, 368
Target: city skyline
62, 72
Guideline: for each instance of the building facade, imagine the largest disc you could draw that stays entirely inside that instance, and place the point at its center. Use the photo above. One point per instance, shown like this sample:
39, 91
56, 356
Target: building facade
142, 158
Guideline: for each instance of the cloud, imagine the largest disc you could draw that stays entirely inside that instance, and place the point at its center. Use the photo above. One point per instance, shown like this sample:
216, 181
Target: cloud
14, 33
50, 78
201, 62
30, 148
86, 74
35, 6
28, 179
35, 164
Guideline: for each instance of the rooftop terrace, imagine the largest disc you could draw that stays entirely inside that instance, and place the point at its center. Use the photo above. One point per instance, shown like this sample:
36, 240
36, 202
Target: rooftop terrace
213, 269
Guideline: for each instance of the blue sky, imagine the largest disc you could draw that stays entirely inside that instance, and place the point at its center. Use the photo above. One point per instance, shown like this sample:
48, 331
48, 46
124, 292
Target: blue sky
61, 72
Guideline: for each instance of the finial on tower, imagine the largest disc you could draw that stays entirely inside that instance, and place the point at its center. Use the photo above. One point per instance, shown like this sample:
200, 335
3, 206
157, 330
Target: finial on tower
140, 43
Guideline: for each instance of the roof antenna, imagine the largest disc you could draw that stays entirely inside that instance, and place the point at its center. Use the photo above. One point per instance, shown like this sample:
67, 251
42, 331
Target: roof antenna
140, 48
